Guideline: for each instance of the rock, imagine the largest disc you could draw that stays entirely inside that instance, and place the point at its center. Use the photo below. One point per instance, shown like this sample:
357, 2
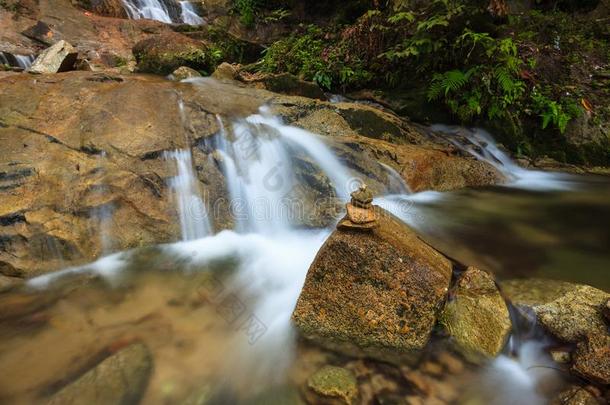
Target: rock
477, 317
576, 395
606, 310
333, 385
57, 58
108, 8
43, 142
120, 379
374, 293
591, 360
452, 364
164, 53
561, 356
360, 212
568, 311
225, 71
184, 72
285, 83
43, 33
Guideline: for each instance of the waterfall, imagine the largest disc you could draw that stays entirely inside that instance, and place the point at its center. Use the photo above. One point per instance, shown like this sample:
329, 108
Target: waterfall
24, 61
189, 15
259, 171
160, 10
14, 60
480, 144
194, 220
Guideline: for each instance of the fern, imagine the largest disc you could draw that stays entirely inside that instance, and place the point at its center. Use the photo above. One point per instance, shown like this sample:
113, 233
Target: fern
448, 82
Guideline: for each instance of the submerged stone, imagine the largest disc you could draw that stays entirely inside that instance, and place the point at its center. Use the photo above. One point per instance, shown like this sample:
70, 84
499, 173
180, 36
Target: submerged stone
374, 293
477, 317
184, 72
120, 379
333, 385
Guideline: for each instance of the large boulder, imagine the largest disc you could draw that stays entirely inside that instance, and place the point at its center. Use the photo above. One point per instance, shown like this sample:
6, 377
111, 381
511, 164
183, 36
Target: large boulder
120, 379
59, 57
374, 293
477, 317
164, 53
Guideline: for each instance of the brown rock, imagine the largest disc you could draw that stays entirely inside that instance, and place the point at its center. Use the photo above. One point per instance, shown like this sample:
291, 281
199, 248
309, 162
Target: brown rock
591, 360
166, 52
451, 363
375, 293
120, 379
568, 311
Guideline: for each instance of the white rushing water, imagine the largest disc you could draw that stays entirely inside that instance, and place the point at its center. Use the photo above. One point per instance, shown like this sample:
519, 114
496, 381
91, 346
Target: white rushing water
149, 9
189, 14
481, 145
192, 212
158, 10
15, 60
260, 175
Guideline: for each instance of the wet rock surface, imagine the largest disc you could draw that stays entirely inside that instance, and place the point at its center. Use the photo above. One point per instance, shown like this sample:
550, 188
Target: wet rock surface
568, 311
476, 316
375, 293
105, 135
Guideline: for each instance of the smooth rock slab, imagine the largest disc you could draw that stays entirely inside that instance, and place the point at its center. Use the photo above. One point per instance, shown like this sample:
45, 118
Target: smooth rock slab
374, 293
119, 379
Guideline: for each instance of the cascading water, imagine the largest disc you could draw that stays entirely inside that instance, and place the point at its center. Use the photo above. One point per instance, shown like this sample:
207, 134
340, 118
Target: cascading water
257, 162
160, 10
194, 220
15, 60
189, 14
480, 144
150, 9
24, 61
267, 255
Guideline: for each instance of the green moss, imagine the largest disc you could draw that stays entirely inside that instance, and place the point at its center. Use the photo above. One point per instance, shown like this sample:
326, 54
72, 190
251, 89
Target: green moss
334, 382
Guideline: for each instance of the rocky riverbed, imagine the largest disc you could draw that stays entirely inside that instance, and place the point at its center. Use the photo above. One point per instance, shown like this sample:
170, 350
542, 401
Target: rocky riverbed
174, 230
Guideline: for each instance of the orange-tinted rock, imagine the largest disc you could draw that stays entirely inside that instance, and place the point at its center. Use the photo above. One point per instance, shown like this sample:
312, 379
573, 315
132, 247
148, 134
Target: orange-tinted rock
374, 293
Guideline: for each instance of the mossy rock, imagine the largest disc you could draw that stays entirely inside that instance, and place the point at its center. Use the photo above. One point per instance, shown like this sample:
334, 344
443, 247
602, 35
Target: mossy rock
477, 318
333, 385
164, 53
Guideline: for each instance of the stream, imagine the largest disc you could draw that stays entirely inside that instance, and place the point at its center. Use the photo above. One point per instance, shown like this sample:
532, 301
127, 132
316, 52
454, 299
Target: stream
214, 308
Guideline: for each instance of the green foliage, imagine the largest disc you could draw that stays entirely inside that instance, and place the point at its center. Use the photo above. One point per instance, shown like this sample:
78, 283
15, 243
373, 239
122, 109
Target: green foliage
552, 112
246, 10
307, 56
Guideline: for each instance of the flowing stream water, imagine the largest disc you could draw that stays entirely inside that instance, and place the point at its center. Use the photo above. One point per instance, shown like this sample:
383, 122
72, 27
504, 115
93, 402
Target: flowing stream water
214, 308
163, 10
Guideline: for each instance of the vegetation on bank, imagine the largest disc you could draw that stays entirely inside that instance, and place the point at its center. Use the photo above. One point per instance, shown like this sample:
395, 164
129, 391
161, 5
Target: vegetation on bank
528, 73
